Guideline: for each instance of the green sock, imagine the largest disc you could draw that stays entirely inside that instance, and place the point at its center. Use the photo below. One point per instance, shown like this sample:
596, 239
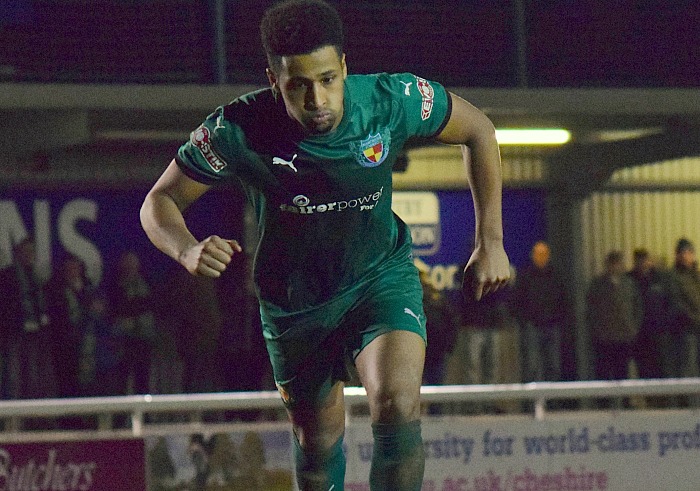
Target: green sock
320, 471
398, 459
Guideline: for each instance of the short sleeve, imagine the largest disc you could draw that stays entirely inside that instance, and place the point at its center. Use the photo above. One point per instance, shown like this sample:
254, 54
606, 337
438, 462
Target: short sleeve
206, 157
427, 105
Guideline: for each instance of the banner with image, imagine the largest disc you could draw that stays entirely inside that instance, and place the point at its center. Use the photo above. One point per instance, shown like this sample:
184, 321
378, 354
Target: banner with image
254, 458
635, 451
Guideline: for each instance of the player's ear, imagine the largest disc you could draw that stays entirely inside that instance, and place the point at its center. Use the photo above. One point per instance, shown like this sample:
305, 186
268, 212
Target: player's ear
272, 78
344, 65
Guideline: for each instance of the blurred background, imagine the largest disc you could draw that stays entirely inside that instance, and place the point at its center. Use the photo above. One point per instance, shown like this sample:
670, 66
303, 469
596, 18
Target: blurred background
97, 96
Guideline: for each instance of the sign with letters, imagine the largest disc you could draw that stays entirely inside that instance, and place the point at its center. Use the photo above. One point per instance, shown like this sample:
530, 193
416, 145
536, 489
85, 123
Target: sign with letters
97, 225
442, 228
578, 451
623, 452
104, 465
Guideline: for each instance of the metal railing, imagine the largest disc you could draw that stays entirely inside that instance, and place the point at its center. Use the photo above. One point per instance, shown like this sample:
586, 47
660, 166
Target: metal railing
193, 405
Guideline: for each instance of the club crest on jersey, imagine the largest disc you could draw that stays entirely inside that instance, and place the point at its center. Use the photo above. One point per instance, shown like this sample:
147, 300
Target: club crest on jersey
201, 138
373, 150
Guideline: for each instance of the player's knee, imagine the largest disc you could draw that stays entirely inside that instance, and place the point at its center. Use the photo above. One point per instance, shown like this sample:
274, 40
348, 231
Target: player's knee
318, 430
395, 407
318, 438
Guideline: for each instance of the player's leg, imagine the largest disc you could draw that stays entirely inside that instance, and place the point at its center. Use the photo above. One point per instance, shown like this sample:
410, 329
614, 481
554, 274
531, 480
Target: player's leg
318, 440
391, 369
308, 356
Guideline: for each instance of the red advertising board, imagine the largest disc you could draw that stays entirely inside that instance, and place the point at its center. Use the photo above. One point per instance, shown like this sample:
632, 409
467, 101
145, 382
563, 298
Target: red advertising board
105, 465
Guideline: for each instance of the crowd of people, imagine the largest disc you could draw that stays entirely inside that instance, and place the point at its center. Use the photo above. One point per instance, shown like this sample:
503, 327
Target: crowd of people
69, 338
649, 315
641, 322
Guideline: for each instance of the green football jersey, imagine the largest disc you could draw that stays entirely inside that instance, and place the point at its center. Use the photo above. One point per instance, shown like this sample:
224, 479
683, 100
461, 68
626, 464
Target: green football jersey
323, 202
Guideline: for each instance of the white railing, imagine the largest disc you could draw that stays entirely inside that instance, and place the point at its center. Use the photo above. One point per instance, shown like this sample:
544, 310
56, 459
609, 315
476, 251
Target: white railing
137, 406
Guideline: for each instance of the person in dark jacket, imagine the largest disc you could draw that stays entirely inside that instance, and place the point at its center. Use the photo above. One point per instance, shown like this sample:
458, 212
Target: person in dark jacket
542, 312
132, 307
71, 297
657, 316
25, 327
614, 316
477, 355
686, 299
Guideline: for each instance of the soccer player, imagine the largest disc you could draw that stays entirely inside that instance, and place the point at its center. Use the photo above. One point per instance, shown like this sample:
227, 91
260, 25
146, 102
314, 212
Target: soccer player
333, 272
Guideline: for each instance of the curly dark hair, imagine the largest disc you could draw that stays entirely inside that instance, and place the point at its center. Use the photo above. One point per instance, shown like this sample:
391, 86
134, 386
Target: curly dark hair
297, 27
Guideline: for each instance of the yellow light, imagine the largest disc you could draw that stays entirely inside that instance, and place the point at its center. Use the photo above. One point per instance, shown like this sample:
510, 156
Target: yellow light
532, 136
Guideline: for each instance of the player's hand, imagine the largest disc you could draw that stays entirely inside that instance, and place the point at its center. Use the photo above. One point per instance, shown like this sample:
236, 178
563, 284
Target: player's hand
209, 257
488, 270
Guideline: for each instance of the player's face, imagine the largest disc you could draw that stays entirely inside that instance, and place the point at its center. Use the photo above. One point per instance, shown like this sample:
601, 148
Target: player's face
312, 87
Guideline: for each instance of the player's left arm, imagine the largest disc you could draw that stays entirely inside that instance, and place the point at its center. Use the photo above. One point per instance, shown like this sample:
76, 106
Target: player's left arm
488, 267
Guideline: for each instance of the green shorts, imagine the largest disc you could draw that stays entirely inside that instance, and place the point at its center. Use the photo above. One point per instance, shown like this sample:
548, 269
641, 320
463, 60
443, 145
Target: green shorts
310, 350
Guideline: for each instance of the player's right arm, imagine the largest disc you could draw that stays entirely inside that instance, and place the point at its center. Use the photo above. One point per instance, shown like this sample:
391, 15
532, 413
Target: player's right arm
163, 221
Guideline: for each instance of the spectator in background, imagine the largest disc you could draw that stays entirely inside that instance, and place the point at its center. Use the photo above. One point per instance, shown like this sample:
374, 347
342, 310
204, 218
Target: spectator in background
191, 317
243, 357
131, 303
542, 312
101, 351
442, 323
24, 320
74, 309
657, 321
614, 315
686, 300
476, 357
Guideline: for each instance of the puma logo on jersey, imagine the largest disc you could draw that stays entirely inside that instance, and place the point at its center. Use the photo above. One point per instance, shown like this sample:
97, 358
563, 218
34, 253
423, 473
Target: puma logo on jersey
288, 163
219, 123
407, 89
412, 314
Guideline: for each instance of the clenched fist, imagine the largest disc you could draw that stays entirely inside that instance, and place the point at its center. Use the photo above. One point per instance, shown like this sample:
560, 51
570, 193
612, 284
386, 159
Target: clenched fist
488, 270
210, 257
